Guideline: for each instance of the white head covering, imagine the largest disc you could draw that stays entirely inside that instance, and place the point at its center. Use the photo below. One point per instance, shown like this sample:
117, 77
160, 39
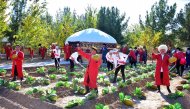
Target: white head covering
115, 50
162, 47
57, 47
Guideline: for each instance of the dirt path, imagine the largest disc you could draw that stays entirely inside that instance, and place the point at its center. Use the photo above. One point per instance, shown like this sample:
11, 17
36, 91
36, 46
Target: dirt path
154, 99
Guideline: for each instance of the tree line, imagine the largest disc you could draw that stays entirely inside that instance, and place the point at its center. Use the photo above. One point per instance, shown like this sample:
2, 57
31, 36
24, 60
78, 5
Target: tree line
29, 24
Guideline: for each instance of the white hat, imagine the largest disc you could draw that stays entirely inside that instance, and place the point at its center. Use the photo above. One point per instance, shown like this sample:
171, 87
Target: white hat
115, 50
163, 47
57, 47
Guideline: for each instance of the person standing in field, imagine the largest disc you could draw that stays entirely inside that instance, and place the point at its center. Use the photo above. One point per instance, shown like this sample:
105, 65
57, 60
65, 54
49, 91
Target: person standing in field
17, 57
162, 70
90, 78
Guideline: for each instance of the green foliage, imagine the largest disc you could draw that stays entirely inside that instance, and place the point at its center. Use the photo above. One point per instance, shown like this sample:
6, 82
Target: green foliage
2, 71
3, 23
91, 95
40, 70
52, 76
183, 19
173, 106
122, 97
74, 103
30, 80
176, 95
101, 106
105, 91
160, 18
138, 93
112, 22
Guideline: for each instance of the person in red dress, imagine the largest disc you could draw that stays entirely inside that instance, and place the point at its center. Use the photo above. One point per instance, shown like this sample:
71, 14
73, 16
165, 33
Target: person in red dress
43, 51
162, 70
141, 53
8, 50
132, 58
52, 50
181, 61
17, 57
90, 78
67, 51
31, 51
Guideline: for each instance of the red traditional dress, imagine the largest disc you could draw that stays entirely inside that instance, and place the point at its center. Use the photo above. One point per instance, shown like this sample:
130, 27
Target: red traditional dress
52, 51
90, 78
132, 55
17, 62
141, 52
8, 50
31, 51
67, 51
162, 66
43, 51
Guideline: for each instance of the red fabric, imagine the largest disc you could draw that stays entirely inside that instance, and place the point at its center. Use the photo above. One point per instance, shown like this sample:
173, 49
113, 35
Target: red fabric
8, 50
31, 52
67, 51
18, 62
179, 55
132, 54
43, 51
182, 61
164, 64
124, 50
141, 52
92, 69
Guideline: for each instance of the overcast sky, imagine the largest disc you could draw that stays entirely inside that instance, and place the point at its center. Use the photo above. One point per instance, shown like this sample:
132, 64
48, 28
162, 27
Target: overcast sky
132, 8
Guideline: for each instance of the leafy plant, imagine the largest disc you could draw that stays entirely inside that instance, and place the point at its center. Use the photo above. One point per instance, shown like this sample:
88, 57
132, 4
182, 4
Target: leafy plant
186, 86
91, 95
127, 100
64, 78
14, 86
139, 93
101, 106
51, 95
121, 84
173, 106
106, 81
2, 72
52, 76
60, 84
62, 70
41, 70
52, 69
2, 82
113, 89
176, 95
43, 81
30, 80
105, 91
74, 103
150, 85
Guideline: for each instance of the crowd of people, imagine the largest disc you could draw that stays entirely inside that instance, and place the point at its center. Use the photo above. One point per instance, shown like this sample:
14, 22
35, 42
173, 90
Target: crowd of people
116, 59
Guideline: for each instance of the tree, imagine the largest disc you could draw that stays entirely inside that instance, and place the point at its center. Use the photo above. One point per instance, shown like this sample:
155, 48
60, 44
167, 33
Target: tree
160, 18
145, 37
3, 24
18, 10
34, 30
111, 22
183, 19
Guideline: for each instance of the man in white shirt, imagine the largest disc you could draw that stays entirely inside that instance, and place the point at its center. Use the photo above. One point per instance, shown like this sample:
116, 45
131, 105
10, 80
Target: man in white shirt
57, 53
121, 61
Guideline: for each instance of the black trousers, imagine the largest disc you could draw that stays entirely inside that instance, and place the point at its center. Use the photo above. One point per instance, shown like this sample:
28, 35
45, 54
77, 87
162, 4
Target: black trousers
122, 68
71, 65
109, 66
57, 63
180, 68
79, 59
15, 72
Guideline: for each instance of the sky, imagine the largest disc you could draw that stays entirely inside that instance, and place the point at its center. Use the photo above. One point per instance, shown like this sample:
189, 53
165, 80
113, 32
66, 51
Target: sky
132, 8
